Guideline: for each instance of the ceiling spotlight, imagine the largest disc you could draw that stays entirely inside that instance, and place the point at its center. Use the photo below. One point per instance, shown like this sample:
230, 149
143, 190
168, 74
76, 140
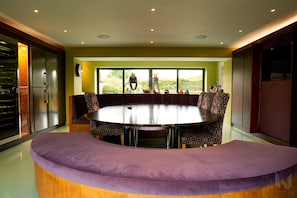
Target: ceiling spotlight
200, 36
35, 11
153, 9
65, 31
221, 43
239, 31
151, 42
273, 10
103, 36
82, 42
152, 29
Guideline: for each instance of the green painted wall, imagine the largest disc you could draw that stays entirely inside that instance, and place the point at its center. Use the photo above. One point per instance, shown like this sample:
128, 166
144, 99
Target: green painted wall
227, 85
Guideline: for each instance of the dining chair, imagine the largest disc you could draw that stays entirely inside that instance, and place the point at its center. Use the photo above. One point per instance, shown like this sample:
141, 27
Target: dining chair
101, 130
210, 134
206, 100
200, 98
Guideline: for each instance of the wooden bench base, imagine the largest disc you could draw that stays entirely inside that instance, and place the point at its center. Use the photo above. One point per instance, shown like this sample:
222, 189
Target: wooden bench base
49, 185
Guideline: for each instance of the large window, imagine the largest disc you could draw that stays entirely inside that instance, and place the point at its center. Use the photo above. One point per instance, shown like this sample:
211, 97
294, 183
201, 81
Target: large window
142, 76
157, 80
110, 81
167, 80
191, 80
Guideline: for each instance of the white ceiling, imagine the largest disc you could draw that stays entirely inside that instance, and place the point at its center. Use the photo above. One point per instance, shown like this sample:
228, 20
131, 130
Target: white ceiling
177, 23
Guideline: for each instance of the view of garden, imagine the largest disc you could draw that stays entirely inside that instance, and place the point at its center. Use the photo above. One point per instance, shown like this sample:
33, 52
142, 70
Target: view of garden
116, 81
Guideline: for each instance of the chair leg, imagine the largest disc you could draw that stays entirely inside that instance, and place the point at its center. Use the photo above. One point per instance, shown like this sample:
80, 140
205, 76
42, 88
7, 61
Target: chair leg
184, 146
122, 139
99, 137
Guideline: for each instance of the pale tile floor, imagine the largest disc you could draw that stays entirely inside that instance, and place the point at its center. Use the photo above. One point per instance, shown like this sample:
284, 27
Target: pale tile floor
17, 172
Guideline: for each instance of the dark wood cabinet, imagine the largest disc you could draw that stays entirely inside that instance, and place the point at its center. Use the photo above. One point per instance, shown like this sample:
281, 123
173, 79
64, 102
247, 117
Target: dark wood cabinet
237, 91
276, 87
245, 80
265, 86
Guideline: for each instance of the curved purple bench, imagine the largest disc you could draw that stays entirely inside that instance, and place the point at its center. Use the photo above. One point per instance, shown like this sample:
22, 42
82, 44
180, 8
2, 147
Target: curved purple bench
232, 167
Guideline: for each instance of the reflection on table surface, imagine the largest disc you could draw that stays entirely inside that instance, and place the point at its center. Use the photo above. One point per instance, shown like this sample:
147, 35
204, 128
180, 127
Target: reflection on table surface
153, 115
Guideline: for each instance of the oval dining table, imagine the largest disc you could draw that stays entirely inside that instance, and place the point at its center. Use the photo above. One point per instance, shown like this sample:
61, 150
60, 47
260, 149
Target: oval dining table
154, 117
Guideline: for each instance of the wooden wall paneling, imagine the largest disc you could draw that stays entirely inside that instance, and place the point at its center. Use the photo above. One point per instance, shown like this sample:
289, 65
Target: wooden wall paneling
255, 88
61, 88
242, 88
237, 89
275, 115
293, 126
247, 89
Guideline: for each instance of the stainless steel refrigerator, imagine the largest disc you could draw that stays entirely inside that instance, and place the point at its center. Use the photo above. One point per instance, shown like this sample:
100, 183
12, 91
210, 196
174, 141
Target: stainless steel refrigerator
44, 91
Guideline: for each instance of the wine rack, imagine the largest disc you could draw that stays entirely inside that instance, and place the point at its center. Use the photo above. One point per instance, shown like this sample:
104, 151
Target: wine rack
8, 115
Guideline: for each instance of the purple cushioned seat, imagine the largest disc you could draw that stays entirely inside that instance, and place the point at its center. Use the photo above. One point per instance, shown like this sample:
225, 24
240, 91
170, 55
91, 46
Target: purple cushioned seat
230, 167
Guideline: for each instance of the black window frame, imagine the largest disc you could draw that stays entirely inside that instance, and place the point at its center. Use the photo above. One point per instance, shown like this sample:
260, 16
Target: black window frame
150, 76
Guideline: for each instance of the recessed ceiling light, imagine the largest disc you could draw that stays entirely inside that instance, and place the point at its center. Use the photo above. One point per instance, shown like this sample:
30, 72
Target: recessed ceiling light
103, 36
65, 31
200, 36
221, 43
151, 42
153, 9
35, 11
273, 10
239, 31
82, 42
152, 29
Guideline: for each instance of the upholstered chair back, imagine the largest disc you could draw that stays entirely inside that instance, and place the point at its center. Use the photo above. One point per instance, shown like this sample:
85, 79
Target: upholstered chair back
100, 129
219, 103
218, 107
93, 105
92, 101
207, 100
212, 133
200, 98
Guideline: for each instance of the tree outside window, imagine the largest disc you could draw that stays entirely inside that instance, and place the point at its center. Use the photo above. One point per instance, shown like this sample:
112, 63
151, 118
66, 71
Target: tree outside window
111, 81
190, 81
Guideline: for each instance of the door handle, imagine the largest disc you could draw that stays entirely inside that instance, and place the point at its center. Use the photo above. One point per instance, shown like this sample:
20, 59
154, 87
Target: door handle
45, 96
